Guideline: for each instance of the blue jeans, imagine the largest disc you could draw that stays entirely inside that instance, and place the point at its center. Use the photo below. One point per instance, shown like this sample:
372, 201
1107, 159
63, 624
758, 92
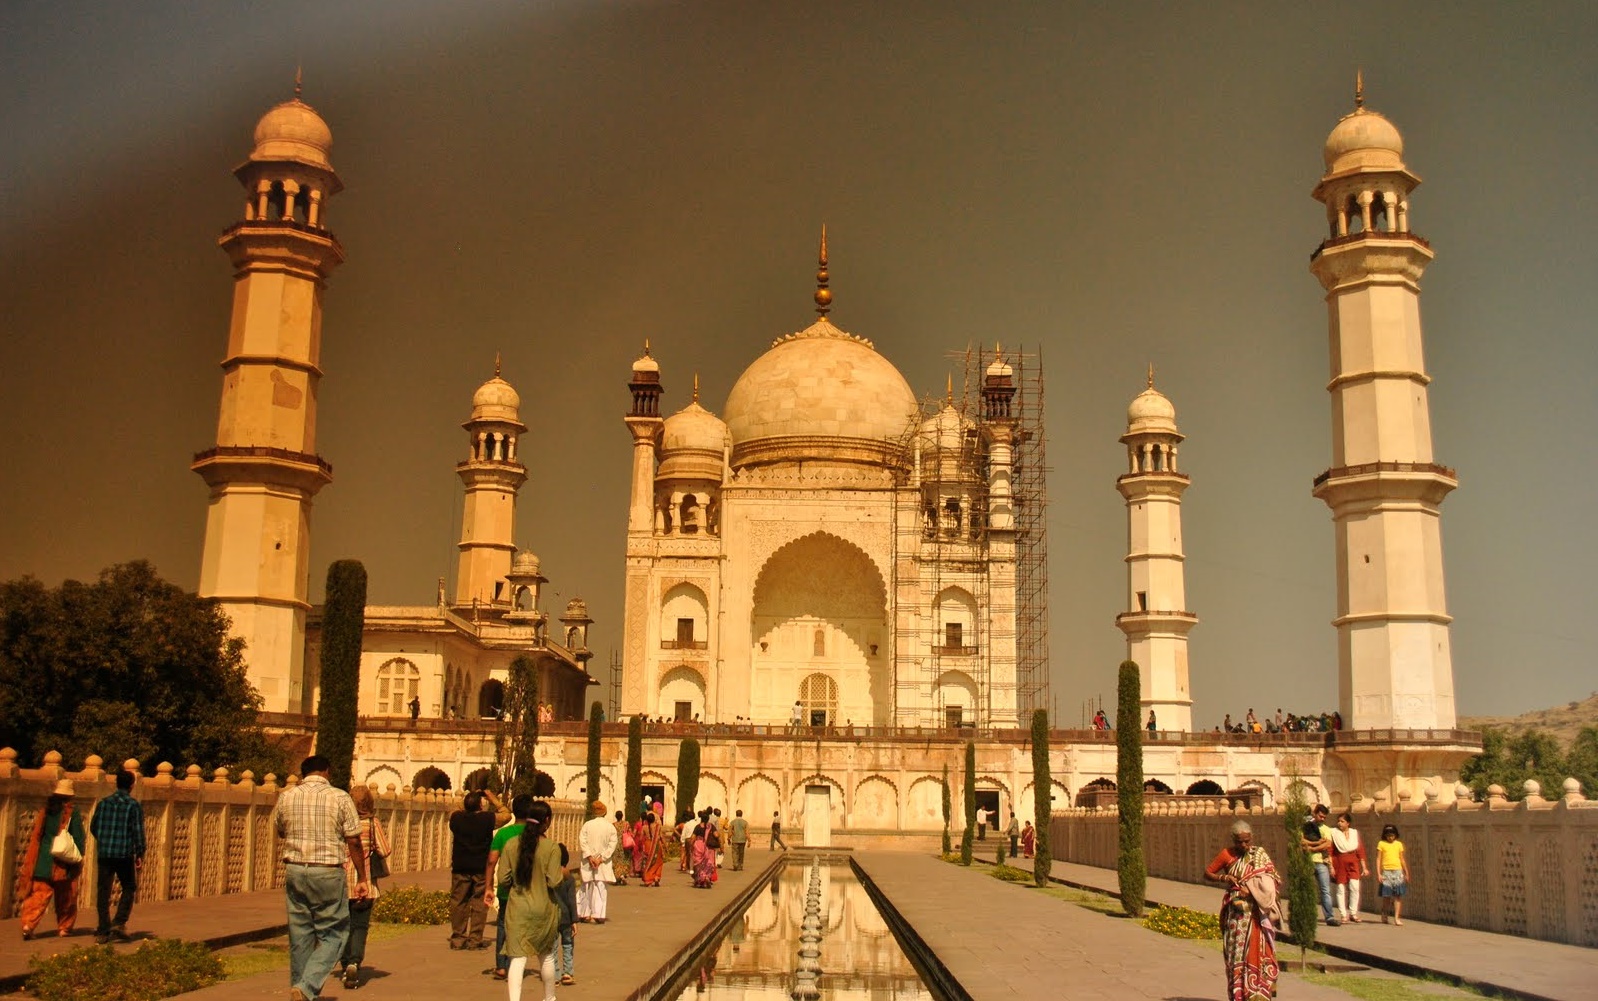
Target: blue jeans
499, 938
360, 923
564, 958
1323, 880
319, 922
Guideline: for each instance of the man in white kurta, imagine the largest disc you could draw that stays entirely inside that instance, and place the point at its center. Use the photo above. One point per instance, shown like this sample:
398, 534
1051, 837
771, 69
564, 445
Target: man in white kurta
596, 844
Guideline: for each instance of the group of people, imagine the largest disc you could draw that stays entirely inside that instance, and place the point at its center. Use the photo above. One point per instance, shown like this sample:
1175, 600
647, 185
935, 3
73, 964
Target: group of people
1280, 723
54, 856
1251, 914
1023, 839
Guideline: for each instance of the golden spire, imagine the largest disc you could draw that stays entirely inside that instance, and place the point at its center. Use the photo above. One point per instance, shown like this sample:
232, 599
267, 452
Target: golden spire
823, 294
696, 387
1151, 375
998, 351
948, 387
1359, 89
646, 347
299, 82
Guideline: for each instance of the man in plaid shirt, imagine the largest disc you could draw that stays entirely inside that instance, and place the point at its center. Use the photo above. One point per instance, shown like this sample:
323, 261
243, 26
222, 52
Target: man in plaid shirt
118, 829
319, 827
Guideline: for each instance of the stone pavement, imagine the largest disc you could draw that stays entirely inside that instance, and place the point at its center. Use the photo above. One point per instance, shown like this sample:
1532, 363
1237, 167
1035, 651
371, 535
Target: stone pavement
1504, 964
1004, 943
645, 928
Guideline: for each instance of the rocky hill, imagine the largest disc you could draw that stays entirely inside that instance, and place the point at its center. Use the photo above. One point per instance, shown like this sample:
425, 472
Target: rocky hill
1563, 722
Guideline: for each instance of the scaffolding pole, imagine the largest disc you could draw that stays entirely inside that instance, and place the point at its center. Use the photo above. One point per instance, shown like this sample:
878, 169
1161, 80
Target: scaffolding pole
1031, 537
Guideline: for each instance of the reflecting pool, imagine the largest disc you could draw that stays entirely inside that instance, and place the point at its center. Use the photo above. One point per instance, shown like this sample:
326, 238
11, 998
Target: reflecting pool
860, 959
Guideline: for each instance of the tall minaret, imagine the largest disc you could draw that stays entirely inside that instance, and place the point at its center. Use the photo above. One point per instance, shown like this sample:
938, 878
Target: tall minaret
999, 428
1156, 621
264, 469
647, 427
492, 475
1383, 487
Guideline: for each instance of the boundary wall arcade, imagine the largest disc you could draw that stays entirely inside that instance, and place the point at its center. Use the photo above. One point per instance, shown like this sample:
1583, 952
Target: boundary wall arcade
210, 836
1528, 868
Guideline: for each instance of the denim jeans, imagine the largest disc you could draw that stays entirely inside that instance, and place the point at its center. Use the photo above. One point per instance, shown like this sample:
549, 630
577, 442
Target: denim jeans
564, 958
1323, 880
319, 922
499, 938
360, 922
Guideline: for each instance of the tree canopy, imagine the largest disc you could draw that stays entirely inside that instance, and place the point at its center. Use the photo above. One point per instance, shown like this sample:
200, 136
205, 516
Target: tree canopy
129, 666
1509, 761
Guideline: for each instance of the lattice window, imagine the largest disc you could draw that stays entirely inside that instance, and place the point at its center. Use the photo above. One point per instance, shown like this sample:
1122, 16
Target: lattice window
25, 820
235, 853
182, 824
1476, 885
819, 694
265, 850
398, 682
1589, 892
1551, 888
1512, 888
1443, 879
207, 832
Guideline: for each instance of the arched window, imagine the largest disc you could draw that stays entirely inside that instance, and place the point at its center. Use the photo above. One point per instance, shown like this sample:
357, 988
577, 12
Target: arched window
820, 646
819, 696
398, 682
491, 699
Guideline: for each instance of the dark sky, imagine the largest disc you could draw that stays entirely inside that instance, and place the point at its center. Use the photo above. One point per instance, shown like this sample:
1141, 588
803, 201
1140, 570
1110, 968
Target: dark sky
1118, 183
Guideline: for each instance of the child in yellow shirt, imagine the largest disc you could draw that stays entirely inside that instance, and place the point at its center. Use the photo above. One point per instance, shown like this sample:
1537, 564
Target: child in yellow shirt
1393, 869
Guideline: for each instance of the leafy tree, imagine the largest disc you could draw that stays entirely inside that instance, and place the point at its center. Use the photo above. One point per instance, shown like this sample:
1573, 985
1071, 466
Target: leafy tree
596, 716
635, 767
517, 739
970, 803
1509, 761
1129, 863
343, 620
1582, 762
944, 791
1042, 797
1303, 895
128, 666
687, 775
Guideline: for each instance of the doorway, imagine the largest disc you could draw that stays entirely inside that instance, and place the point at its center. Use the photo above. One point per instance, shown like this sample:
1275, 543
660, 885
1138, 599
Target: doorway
989, 799
818, 816
656, 794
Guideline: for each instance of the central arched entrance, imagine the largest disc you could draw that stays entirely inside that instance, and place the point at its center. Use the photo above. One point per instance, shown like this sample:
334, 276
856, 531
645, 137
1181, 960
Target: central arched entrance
819, 622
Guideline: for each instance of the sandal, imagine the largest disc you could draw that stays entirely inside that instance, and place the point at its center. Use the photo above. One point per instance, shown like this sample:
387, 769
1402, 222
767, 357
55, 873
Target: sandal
568, 980
502, 974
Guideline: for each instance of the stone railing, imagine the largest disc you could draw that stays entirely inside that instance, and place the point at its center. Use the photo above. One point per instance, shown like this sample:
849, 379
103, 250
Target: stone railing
1528, 868
209, 835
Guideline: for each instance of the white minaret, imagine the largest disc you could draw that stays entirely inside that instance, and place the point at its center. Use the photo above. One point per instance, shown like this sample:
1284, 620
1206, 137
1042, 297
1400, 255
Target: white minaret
1383, 487
264, 469
1156, 621
492, 474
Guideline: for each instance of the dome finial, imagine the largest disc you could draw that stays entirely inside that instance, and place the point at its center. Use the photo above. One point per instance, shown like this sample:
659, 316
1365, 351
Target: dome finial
696, 387
299, 81
646, 347
823, 294
496, 364
1151, 375
1359, 88
948, 387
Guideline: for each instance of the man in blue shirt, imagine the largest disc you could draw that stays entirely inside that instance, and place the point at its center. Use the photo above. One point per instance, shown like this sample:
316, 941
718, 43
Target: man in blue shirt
118, 830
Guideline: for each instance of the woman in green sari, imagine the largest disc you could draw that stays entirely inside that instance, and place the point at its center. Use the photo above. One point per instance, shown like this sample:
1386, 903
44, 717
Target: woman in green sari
530, 864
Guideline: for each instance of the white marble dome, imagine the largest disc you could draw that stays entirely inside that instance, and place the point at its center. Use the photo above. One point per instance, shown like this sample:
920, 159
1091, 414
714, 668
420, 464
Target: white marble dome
1363, 138
819, 394
693, 427
1151, 411
947, 429
293, 131
496, 400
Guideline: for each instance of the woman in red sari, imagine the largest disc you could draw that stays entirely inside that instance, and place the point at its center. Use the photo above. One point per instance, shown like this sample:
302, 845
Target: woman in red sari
1029, 840
651, 853
1249, 916
702, 858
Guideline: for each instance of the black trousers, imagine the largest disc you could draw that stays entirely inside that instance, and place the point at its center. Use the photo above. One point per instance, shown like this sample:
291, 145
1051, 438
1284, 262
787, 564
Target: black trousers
121, 869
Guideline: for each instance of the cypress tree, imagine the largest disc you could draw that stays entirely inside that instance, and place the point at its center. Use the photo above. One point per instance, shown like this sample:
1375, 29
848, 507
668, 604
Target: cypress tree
1130, 864
970, 803
948, 847
518, 729
343, 619
687, 775
1042, 797
635, 767
596, 716
1303, 895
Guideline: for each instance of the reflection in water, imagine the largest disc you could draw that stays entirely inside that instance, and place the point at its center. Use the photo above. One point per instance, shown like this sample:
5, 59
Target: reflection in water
860, 958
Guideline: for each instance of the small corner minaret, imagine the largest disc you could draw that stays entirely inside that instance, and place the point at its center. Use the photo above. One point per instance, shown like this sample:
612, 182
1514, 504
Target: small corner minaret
999, 429
645, 423
1156, 622
264, 470
492, 475
1384, 487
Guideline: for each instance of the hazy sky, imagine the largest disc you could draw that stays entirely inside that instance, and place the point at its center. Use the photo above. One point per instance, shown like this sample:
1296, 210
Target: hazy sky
1117, 183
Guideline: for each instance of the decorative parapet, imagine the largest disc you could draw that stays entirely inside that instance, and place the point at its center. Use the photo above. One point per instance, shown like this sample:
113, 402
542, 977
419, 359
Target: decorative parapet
1526, 868
209, 835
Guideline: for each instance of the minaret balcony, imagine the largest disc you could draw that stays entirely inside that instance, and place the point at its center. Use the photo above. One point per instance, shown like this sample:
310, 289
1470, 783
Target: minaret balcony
1388, 481
1156, 621
283, 243
227, 464
1357, 257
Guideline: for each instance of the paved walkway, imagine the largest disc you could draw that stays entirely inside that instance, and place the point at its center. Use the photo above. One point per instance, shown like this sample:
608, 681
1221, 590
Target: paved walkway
1504, 963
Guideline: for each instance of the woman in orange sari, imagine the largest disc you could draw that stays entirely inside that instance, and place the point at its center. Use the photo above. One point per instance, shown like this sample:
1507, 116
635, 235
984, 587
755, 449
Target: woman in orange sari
1249, 916
651, 851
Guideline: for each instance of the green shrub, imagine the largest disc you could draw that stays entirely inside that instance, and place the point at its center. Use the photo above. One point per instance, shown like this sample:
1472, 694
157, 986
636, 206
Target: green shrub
970, 803
412, 905
947, 845
1131, 867
1183, 922
687, 775
1042, 797
343, 619
635, 765
1302, 892
1011, 874
953, 857
596, 719
158, 969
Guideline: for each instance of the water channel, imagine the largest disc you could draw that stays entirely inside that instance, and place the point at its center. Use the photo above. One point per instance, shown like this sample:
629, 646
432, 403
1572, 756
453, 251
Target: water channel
757, 956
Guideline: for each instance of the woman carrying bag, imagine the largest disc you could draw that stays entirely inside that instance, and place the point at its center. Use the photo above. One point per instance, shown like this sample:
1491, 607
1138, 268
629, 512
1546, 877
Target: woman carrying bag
53, 862
374, 845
